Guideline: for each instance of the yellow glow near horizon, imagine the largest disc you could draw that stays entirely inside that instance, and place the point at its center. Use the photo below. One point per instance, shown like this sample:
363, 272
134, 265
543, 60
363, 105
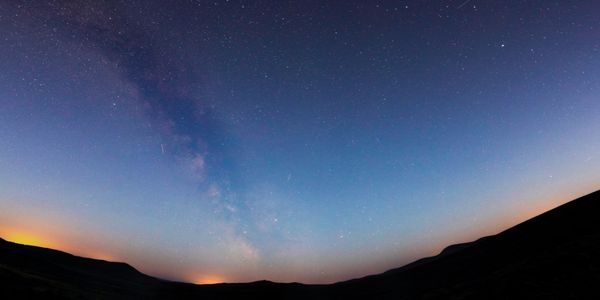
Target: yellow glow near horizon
209, 279
25, 238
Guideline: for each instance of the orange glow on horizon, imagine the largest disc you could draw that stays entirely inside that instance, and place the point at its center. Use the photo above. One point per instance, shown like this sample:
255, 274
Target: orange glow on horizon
208, 279
535, 209
26, 238
40, 239
100, 256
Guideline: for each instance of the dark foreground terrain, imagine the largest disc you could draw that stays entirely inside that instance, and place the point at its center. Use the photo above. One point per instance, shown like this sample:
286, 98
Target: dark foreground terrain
555, 255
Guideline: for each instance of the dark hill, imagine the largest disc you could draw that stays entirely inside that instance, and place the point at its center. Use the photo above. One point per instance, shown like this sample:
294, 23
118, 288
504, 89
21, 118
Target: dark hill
45, 273
552, 256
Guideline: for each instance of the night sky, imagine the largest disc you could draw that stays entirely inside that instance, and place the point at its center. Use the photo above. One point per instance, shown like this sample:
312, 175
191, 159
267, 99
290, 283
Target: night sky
310, 141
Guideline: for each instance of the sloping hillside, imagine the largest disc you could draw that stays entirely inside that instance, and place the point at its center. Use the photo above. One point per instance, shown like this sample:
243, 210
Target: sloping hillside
554, 255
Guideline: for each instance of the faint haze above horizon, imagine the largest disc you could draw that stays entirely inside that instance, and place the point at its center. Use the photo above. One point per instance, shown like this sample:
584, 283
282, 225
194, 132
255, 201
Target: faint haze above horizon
309, 141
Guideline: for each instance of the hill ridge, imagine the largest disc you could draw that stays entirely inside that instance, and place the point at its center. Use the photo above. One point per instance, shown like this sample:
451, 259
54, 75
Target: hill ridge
525, 260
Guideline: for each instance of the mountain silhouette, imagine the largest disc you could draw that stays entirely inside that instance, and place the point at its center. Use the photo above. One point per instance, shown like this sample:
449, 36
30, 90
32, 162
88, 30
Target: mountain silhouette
552, 256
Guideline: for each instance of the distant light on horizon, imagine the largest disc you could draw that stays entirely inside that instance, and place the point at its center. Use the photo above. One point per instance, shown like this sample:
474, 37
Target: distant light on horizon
208, 279
25, 239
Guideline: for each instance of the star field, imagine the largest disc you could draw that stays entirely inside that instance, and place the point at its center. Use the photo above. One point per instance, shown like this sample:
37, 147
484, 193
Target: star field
309, 141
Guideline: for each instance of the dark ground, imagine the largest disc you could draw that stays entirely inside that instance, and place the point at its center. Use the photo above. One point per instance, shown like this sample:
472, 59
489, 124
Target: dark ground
555, 255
